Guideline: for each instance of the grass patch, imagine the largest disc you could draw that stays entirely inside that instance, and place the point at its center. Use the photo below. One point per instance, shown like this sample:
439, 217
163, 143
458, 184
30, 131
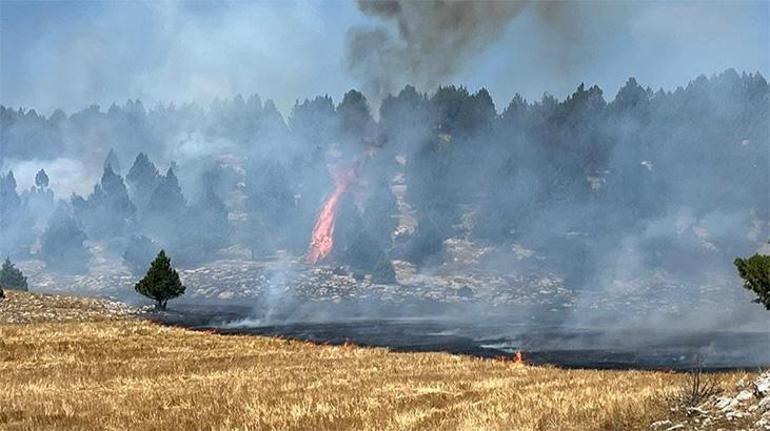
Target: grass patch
132, 374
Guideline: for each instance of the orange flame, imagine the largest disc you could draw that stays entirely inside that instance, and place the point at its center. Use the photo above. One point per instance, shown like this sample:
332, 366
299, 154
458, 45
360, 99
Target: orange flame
518, 358
322, 239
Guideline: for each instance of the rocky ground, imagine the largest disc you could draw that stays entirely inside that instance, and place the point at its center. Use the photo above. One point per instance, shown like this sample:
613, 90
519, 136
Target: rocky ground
747, 407
459, 281
23, 307
514, 280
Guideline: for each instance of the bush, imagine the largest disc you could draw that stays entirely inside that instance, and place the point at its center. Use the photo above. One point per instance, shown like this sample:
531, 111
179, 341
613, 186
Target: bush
383, 272
61, 245
755, 272
161, 282
11, 277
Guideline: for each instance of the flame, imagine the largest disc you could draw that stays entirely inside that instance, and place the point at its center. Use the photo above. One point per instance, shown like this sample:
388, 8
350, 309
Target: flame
322, 240
518, 358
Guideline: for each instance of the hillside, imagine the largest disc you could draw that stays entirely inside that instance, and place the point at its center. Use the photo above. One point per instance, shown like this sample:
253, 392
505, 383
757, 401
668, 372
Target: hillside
70, 363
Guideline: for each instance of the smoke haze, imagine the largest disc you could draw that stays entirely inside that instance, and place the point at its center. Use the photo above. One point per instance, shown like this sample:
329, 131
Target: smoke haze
71, 54
622, 199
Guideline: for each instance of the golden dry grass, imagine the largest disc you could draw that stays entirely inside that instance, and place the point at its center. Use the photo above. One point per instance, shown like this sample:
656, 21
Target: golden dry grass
131, 374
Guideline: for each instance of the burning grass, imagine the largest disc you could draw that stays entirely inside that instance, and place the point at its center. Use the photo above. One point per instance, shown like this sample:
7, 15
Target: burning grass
132, 374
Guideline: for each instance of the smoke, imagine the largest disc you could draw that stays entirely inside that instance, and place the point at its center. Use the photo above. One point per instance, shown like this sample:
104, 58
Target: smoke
433, 40
635, 206
69, 175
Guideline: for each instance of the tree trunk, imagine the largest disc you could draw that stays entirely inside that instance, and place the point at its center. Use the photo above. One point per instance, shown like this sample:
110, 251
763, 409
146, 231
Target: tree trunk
160, 305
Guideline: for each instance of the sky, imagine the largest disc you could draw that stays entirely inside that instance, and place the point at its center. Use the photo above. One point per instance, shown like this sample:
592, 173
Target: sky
70, 54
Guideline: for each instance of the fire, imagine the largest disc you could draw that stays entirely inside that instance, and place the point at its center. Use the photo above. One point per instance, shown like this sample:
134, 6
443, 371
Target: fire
518, 358
322, 240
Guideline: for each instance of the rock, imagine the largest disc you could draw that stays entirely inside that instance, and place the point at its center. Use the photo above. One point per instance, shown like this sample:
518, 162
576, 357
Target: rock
744, 395
762, 384
660, 424
764, 405
726, 403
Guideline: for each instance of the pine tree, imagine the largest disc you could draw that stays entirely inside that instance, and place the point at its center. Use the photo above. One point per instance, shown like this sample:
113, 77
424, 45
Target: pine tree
108, 210
61, 245
16, 223
270, 201
116, 194
41, 179
167, 199
381, 214
112, 162
142, 179
211, 227
354, 117
755, 272
9, 198
161, 282
383, 271
12, 277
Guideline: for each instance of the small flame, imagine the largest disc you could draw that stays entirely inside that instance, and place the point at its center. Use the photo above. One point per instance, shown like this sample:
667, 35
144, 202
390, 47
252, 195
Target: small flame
518, 358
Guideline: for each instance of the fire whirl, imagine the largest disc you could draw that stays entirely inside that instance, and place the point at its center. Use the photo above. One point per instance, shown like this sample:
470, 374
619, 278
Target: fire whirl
322, 239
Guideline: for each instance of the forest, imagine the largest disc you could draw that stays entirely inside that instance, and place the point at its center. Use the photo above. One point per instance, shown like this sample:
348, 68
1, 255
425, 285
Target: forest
662, 179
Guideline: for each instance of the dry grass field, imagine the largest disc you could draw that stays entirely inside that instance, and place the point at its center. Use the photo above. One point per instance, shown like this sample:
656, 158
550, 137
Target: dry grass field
123, 373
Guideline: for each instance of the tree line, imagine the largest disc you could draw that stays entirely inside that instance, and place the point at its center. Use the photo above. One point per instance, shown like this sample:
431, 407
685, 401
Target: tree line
572, 179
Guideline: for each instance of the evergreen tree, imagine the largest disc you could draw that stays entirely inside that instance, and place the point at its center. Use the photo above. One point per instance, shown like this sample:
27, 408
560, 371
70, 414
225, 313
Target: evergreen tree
209, 229
108, 210
167, 199
161, 282
355, 118
40, 199
41, 179
142, 179
16, 224
9, 198
163, 217
270, 201
314, 121
755, 272
11, 277
112, 162
426, 244
383, 271
405, 120
381, 214
61, 245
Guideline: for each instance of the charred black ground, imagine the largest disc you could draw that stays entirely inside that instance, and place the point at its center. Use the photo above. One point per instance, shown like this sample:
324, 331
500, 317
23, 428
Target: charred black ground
540, 343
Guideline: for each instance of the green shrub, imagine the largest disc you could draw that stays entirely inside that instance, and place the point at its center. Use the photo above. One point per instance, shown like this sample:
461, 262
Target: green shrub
161, 282
11, 277
755, 272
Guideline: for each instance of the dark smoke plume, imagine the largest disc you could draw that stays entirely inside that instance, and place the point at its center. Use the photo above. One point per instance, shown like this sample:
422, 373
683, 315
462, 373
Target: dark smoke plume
434, 40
